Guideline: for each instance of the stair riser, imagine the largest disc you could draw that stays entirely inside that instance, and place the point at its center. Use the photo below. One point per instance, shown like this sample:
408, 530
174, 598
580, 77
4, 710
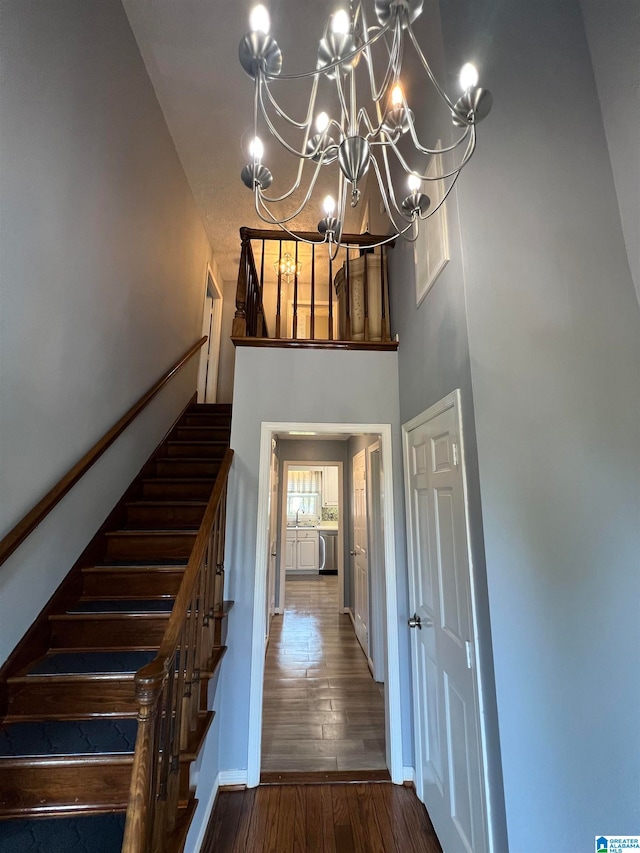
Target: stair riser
140, 633
197, 433
177, 491
62, 788
132, 584
149, 546
205, 420
166, 517
72, 701
195, 450
185, 468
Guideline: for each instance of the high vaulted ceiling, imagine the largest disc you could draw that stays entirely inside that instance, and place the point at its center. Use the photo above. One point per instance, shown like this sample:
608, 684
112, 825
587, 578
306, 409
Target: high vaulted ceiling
190, 49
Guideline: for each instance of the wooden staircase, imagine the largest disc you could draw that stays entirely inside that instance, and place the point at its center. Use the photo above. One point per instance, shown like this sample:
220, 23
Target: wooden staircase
68, 708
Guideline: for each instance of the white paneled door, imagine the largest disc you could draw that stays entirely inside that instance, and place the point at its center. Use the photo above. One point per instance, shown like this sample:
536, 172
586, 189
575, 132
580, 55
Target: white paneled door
360, 551
449, 764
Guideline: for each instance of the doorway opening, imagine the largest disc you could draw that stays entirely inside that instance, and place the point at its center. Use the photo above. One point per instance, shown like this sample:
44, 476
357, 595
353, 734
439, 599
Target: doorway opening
325, 695
210, 352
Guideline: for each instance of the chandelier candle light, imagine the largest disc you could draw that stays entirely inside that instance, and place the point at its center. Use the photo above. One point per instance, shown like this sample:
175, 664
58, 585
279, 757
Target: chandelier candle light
357, 137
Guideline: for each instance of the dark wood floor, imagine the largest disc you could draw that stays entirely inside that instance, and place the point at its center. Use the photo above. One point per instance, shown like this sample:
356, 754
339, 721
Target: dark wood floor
367, 818
322, 709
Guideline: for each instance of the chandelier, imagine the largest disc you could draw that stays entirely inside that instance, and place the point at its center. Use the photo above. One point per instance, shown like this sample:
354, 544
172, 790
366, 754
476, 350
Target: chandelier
288, 267
356, 138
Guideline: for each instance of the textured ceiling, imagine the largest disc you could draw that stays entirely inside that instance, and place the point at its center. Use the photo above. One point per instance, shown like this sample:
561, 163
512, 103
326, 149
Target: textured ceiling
190, 49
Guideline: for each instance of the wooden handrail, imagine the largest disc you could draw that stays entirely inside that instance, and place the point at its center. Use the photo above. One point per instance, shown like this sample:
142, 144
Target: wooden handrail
35, 516
277, 234
180, 605
167, 689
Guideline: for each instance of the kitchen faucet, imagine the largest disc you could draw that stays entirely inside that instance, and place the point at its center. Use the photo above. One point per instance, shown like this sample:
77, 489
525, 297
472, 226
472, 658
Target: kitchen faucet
298, 516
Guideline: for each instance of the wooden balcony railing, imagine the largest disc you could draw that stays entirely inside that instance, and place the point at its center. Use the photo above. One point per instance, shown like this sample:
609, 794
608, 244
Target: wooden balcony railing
291, 293
169, 689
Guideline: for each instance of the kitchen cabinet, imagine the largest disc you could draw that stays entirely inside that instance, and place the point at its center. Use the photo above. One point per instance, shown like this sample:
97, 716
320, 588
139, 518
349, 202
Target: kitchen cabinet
301, 550
330, 492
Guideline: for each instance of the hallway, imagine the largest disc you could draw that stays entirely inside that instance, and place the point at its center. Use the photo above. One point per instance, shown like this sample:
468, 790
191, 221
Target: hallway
322, 709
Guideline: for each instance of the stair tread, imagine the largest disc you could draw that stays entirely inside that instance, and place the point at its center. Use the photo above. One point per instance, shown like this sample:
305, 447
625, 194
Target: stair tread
153, 531
122, 605
209, 460
107, 617
204, 441
104, 661
101, 833
172, 480
68, 737
164, 503
163, 564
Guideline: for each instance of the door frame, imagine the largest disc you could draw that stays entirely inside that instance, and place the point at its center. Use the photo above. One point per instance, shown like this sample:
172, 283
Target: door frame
283, 530
211, 327
375, 523
393, 712
452, 399
353, 613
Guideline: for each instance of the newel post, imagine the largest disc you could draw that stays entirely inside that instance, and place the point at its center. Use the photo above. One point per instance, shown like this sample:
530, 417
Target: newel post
141, 808
239, 328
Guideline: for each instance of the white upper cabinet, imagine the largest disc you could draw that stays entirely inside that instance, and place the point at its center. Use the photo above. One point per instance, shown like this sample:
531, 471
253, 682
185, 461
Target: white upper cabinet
330, 493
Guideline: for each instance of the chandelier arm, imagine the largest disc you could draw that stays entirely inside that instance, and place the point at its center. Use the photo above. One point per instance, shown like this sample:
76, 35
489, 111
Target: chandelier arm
376, 94
300, 154
442, 200
427, 68
312, 100
275, 200
392, 193
271, 220
387, 195
424, 150
343, 105
467, 156
363, 116
325, 68
392, 66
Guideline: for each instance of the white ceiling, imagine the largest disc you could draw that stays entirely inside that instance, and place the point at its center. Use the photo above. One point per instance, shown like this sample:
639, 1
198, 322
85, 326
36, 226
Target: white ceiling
190, 49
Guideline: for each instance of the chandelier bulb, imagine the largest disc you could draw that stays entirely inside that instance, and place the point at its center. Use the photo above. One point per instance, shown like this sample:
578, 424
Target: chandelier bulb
340, 22
396, 96
256, 148
259, 21
468, 76
414, 183
322, 122
329, 205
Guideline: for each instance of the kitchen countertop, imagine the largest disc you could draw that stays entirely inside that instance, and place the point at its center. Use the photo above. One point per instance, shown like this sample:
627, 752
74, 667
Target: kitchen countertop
323, 525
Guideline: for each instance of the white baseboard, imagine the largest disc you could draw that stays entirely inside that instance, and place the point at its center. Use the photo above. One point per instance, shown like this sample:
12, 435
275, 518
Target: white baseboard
232, 777
208, 811
346, 610
409, 774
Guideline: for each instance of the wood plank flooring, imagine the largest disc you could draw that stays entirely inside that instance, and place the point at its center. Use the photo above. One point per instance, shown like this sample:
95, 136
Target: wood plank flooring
355, 818
322, 709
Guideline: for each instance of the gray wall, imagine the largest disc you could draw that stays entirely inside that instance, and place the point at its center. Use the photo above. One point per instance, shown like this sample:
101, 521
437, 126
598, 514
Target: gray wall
536, 319
613, 33
433, 360
312, 386
103, 274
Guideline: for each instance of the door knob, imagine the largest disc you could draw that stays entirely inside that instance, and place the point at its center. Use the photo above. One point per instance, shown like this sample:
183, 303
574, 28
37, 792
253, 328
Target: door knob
274, 554
353, 553
416, 622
